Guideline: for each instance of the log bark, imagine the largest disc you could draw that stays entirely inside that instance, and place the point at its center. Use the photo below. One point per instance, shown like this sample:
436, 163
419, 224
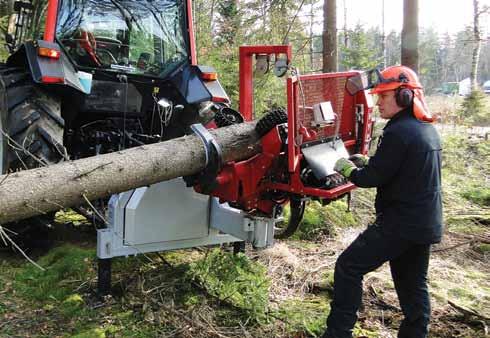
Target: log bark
33, 192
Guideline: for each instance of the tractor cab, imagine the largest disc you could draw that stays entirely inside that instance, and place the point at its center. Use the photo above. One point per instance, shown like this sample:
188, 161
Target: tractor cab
134, 37
123, 72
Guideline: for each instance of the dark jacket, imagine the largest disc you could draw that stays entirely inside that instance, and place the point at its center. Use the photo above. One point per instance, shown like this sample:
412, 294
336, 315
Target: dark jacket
406, 170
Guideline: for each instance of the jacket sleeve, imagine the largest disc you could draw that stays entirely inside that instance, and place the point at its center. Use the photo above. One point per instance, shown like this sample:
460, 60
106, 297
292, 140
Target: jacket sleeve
385, 163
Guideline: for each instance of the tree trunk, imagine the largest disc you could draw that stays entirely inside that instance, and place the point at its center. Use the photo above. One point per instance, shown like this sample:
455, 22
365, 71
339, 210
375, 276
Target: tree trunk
312, 50
476, 47
33, 192
410, 34
330, 36
383, 34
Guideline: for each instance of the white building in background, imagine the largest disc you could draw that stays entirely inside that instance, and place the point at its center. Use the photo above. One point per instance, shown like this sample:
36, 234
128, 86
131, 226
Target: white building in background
486, 87
465, 87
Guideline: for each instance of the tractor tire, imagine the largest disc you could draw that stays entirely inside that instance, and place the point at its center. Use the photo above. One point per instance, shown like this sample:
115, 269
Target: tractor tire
31, 134
297, 210
270, 120
30, 122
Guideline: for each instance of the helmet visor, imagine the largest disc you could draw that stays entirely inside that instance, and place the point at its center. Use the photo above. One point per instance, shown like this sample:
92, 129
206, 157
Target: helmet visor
370, 79
363, 81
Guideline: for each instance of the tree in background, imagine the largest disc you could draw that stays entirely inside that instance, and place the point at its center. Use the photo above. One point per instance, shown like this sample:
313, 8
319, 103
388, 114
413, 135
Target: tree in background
430, 63
477, 14
393, 48
410, 32
359, 54
473, 107
330, 36
221, 26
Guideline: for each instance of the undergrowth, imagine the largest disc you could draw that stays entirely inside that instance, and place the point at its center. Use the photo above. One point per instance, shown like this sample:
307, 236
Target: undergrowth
196, 293
65, 266
319, 221
234, 279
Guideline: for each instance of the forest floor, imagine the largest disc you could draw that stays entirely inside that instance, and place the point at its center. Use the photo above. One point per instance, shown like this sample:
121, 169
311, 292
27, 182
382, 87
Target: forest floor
283, 291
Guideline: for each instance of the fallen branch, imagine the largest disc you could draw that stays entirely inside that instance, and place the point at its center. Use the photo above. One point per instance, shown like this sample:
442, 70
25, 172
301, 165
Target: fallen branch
6, 238
5, 177
476, 238
454, 246
190, 321
467, 311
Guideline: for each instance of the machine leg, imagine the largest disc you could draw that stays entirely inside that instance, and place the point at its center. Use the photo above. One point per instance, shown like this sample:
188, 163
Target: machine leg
104, 272
238, 247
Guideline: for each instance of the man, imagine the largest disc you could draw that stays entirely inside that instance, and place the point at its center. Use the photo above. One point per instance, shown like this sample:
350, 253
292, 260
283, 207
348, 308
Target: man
406, 170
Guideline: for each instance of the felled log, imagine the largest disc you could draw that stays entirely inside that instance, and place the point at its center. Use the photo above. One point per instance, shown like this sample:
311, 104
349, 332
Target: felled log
33, 192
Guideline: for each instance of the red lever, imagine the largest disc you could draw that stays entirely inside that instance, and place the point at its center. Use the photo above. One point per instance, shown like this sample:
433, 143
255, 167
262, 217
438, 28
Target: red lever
308, 134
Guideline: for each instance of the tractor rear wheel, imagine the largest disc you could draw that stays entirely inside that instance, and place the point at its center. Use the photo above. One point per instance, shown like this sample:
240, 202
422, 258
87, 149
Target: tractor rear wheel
31, 124
31, 129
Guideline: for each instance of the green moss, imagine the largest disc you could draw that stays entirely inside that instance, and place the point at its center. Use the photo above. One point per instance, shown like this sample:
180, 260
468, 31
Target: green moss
483, 248
328, 277
320, 219
477, 194
307, 314
361, 332
65, 268
70, 216
460, 293
92, 333
72, 306
234, 279
464, 225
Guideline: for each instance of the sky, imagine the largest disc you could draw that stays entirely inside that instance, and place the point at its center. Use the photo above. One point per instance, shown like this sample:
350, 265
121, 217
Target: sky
443, 15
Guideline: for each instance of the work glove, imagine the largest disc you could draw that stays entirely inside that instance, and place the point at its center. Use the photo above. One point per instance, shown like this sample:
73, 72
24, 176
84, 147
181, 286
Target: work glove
359, 160
344, 167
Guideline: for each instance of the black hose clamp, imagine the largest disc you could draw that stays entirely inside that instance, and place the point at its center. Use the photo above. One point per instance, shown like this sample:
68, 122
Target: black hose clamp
206, 179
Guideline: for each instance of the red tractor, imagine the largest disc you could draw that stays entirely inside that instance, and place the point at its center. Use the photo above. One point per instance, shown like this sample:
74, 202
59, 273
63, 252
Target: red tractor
91, 77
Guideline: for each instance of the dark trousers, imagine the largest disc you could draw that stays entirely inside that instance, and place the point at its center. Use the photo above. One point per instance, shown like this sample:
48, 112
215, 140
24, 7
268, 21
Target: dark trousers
409, 264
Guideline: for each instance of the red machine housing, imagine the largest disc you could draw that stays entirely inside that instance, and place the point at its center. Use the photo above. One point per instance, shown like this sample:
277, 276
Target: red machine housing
271, 177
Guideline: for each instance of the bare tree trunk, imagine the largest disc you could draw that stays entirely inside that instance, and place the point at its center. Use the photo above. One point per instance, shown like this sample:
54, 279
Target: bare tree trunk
346, 34
32, 192
330, 36
383, 34
312, 21
476, 47
410, 34
211, 19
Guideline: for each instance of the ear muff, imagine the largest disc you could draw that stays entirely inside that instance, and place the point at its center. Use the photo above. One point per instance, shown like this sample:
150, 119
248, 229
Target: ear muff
404, 97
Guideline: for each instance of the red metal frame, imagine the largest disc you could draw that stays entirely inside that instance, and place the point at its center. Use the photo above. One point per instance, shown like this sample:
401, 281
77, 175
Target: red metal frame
246, 183
52, 14
246, 54
190, 28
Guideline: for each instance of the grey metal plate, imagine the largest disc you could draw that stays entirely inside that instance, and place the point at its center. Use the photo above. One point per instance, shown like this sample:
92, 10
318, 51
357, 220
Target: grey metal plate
166, 211
322, 157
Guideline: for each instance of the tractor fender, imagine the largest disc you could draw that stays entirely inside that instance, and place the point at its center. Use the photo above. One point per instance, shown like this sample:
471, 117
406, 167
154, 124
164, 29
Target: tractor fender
45, 70
218, 94
189, 84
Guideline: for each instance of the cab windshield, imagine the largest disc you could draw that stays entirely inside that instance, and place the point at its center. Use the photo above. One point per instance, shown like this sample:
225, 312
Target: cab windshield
142, 37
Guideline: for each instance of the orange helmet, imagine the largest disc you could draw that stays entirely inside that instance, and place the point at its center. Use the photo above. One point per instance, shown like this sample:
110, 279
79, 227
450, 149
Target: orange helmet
400, 77
395, 77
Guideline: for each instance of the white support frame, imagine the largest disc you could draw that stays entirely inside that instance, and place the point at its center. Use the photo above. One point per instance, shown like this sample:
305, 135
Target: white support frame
225, 225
